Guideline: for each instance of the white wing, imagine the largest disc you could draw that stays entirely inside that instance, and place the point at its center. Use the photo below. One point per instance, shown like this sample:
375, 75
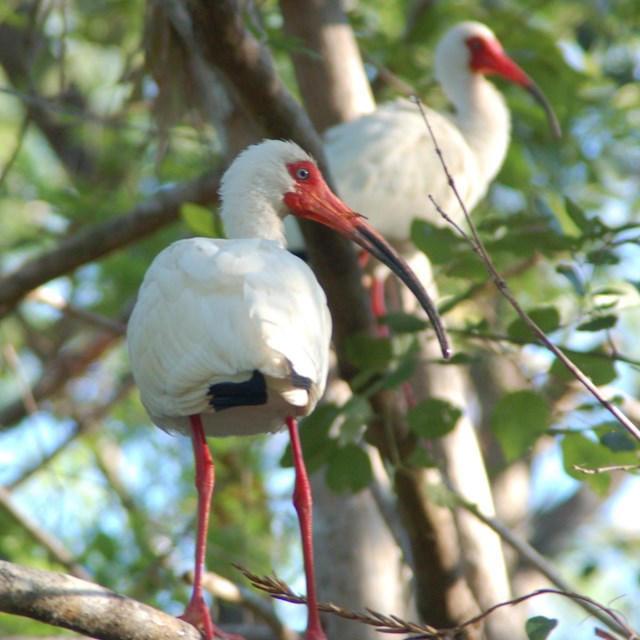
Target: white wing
385, 166
214, 311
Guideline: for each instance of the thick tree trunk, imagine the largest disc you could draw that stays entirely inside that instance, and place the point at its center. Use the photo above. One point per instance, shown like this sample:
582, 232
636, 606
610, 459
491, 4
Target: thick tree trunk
452, 584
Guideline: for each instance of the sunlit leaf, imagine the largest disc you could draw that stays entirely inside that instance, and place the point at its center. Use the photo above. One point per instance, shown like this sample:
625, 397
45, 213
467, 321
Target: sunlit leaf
595, 364
580, 451
519, 419
200, 220
576, 214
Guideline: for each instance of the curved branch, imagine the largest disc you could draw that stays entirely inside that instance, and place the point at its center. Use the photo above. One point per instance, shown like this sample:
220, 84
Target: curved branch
98, 240
84, 607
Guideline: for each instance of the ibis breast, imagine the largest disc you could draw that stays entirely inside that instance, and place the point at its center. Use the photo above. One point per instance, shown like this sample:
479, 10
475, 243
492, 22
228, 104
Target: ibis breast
213, 312
385, 166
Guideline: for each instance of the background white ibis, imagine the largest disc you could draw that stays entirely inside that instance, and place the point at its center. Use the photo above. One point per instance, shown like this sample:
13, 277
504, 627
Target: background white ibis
232, 336
384, 162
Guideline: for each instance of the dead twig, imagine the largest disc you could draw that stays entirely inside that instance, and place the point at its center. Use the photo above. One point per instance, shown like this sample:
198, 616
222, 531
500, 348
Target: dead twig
479, 248
276, 588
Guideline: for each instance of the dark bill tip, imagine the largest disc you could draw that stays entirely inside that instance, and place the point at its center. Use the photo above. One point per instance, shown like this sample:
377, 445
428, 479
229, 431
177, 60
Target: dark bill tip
541, 99
382, 250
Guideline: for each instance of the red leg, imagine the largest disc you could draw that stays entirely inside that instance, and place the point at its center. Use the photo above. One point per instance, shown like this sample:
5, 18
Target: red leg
197, 612
379, 305
304, 506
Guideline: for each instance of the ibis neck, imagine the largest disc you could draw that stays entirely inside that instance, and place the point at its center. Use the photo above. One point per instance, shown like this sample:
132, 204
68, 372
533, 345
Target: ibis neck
258, 220
483, 118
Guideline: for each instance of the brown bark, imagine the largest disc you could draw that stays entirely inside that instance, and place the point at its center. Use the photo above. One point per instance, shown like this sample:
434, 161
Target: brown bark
83, 607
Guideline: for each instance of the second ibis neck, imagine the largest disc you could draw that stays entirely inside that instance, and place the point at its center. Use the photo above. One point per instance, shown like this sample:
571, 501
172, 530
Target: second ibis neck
483, 118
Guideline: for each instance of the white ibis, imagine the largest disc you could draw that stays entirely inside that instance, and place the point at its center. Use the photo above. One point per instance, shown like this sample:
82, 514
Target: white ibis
232, 336
384, 162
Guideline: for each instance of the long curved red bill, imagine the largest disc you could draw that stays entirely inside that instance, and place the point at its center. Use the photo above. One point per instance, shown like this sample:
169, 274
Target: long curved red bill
323, 206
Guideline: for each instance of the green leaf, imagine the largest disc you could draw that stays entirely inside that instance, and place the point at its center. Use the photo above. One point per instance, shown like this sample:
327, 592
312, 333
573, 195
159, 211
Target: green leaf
578, 450
547, 318
571, 274
603, 256
598, 324
349, 470
594, 364
539, 627
366, 352
422, 457
615, 437
402, 371
519, 419
356, 412
576, 214
200, 220
440, 494
403, 322
440, 244
433, 418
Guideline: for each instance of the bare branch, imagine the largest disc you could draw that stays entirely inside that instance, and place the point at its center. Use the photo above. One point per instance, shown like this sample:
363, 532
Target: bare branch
83, 607
502, 286
98, 240
538, 562
609, 469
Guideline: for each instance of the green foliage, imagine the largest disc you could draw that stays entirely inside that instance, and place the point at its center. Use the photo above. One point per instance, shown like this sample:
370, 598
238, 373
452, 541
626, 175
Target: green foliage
547, 319
539, 627
560, 224
433, 418
201, 221
519, 419
595, 364
349, 470
586, 459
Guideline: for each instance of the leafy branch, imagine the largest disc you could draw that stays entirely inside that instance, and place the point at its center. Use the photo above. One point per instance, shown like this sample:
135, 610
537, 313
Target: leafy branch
479, 248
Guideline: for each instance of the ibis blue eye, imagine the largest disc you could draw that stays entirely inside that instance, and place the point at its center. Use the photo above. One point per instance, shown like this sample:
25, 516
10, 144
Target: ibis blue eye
302, 173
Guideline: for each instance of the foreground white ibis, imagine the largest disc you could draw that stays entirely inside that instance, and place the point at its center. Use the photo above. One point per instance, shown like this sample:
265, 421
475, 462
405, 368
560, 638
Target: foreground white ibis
231, 337
384, 162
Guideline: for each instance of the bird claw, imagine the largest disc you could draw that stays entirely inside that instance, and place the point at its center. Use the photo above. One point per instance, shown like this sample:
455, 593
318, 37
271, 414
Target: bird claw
197, 614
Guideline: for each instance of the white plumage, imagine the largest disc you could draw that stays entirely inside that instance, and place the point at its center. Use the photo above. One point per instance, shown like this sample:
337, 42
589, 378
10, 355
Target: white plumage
384, 162
213, 311
232, 336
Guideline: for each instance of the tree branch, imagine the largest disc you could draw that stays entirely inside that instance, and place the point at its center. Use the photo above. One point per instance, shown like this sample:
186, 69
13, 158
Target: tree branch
95, 241
83, 607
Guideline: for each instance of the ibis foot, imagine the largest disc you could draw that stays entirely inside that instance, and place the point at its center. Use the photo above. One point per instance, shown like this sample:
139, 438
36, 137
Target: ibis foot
197, 614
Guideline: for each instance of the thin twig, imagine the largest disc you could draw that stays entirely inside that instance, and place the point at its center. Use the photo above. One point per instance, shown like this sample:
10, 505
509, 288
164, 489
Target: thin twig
276, 588
615, 467
538, 562
479, 248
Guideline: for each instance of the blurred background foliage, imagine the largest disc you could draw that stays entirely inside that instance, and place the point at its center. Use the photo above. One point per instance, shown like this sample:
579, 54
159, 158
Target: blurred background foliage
88, 132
